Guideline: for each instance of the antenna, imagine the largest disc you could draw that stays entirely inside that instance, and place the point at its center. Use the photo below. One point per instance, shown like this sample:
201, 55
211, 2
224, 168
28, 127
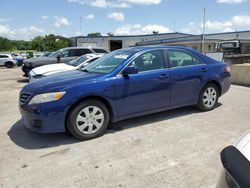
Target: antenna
204, 27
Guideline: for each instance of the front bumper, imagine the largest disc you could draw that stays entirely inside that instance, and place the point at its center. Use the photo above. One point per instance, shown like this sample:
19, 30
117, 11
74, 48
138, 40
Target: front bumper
44, 118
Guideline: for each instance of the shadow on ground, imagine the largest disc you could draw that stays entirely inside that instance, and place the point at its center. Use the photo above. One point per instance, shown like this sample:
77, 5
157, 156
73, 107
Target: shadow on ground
153, 118
28, 139
23, 80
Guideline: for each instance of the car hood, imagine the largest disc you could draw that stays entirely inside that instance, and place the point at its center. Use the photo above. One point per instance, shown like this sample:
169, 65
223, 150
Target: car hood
50, 69
60, 82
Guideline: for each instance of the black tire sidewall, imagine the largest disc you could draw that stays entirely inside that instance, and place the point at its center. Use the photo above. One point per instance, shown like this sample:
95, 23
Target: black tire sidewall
71, 120
201, 104
9, 64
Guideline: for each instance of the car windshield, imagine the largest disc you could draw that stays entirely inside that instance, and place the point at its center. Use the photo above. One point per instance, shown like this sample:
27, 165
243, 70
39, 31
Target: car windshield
78, 61
228, 45
56, 53
108, 63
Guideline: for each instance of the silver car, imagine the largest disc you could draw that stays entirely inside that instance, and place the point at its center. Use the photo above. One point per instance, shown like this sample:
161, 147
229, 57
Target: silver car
7, 60
63, 55
236, 162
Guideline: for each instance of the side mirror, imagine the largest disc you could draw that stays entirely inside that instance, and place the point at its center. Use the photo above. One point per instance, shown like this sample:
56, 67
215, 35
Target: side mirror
58, 58
129, 70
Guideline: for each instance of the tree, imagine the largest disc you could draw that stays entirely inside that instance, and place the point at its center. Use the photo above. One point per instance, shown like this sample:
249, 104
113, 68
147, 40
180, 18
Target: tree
110, 34
155, 32
54, 43
96, 34
6, 45
37, 43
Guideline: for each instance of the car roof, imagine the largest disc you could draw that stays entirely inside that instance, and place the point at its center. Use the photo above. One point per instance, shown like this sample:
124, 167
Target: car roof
77, 47
142, 48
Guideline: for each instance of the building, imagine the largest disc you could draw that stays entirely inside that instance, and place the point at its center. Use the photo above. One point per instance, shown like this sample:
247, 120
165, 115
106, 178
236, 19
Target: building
177, 39
116, 42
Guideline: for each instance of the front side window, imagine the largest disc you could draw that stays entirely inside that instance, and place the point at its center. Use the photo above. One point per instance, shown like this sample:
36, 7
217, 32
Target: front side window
178, 58
78, 61
152, 60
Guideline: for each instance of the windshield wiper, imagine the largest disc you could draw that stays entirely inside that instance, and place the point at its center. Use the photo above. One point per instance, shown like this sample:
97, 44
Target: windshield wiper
84, 70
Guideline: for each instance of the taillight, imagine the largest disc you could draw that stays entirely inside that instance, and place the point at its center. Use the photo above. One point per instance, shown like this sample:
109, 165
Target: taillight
228, 69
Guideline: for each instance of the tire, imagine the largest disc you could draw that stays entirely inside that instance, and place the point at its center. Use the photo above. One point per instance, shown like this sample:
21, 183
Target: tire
9, 64
88, 119
208, 97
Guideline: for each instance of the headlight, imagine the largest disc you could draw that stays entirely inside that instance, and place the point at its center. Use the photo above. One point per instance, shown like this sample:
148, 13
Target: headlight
46, 97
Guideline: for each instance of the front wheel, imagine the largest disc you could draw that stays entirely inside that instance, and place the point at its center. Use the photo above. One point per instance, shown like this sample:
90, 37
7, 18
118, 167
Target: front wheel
88, 119
9, 64
208, 97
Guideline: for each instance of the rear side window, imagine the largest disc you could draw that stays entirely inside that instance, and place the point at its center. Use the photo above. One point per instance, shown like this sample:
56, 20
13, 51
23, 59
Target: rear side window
99, 50
79, 52
75, 52
4, 56
179, 58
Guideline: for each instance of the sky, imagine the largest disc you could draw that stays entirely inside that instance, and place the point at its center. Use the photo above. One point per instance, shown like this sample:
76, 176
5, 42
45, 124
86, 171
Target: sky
25, 19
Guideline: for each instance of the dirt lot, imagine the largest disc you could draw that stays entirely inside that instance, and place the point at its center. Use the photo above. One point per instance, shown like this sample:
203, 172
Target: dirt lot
177, 148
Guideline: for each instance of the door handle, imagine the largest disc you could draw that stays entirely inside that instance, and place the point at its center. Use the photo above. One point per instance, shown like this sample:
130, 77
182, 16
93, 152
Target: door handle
204, 69
163, 76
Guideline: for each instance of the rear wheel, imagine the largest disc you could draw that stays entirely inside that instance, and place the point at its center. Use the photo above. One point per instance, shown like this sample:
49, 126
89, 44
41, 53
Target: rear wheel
9, 64
208, 97
88, 119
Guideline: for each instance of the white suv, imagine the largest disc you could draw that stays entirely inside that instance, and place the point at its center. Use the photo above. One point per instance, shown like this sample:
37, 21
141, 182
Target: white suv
7, 60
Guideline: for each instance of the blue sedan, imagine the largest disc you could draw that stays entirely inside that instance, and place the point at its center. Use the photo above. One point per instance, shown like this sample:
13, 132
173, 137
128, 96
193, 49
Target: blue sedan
123, 84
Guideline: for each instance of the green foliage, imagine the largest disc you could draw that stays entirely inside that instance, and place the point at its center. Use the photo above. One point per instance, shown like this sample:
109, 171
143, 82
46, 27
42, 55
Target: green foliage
21, 45
96, 34
6, 45
39, 43
53, 43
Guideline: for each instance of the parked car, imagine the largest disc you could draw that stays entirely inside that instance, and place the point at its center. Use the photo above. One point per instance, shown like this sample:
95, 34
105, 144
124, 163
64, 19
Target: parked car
46, 70
61, 56
18, 58
123, 84
236, 163
7, 60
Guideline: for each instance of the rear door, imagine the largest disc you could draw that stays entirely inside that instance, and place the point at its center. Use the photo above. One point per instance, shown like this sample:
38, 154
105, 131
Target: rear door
187, 72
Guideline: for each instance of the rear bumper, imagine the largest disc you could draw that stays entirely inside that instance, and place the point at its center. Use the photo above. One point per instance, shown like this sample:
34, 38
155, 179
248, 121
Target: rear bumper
43, 119
225, 85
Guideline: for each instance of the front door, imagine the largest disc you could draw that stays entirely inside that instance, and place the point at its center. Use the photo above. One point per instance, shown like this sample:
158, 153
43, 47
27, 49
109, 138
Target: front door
147, 90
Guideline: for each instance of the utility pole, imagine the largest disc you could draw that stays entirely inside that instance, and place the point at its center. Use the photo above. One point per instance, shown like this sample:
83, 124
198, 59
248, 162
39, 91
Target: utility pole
204, 27
81, 26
